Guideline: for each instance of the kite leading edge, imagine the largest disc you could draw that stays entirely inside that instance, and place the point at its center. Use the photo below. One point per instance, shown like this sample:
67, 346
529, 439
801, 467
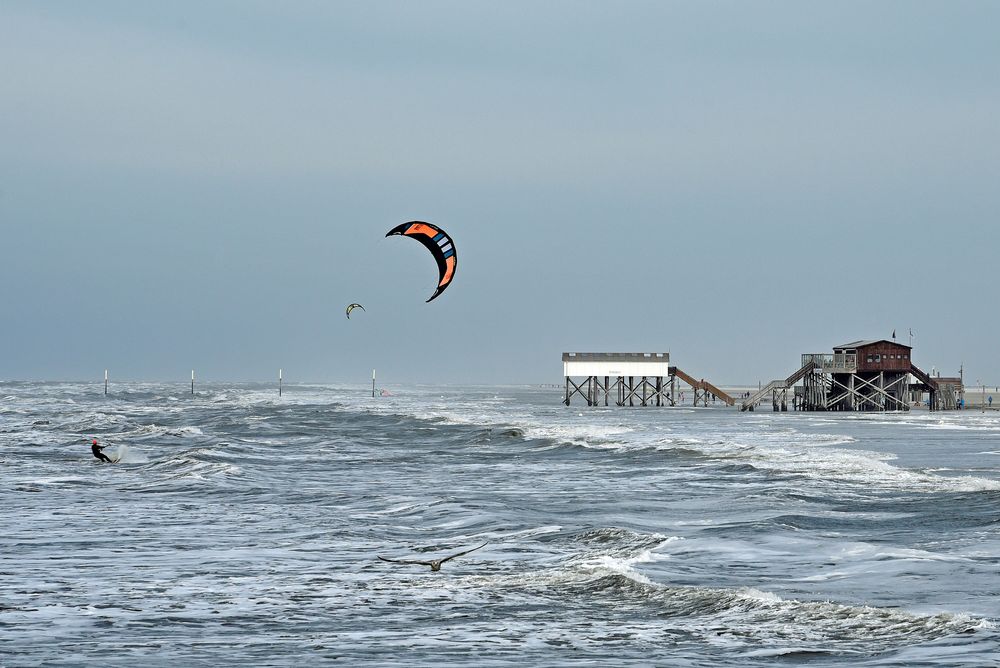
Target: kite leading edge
438, 243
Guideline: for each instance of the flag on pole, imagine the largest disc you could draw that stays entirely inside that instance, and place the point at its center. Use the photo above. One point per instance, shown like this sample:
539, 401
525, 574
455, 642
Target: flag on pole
893, 334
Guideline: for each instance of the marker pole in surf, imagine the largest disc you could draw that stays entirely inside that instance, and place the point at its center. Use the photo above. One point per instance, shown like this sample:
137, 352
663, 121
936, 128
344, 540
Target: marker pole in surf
105, 382
192, 382
279, 382
373, 383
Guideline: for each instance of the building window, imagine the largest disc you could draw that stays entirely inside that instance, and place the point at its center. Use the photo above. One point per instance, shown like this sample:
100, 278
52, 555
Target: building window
878, 359
869, 359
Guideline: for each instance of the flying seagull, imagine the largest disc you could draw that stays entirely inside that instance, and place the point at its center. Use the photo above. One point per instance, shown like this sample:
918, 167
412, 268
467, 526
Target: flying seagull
435, 564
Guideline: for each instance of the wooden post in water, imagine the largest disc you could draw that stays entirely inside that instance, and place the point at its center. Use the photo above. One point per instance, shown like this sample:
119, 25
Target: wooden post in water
373, 383
279, 382
192, 382
105, 382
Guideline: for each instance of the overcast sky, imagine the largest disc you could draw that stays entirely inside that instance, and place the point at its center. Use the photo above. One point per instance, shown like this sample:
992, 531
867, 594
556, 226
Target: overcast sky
208, 185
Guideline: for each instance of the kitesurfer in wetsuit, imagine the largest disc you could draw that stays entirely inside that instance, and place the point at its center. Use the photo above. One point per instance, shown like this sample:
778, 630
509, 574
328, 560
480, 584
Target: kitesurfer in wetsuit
96, 449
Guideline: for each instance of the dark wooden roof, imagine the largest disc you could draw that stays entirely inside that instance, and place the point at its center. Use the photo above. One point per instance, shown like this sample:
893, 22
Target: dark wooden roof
865, 344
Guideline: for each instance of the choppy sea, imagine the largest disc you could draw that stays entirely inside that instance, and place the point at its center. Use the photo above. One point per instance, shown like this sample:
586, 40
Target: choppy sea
240, 528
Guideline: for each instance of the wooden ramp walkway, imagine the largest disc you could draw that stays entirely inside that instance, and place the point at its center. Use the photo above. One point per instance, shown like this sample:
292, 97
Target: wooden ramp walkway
702, 388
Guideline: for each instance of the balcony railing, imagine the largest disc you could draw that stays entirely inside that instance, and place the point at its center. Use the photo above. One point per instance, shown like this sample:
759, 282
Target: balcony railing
836, 363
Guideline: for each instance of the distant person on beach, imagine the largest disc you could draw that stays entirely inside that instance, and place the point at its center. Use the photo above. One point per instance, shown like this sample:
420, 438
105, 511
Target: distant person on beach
96, 449
990, 400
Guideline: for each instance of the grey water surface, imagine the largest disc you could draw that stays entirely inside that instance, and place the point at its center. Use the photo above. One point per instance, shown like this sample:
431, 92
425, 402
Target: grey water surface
240, 528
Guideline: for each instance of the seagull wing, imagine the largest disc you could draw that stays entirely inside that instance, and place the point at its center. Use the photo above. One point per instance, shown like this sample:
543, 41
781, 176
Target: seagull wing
459, 554
404, 561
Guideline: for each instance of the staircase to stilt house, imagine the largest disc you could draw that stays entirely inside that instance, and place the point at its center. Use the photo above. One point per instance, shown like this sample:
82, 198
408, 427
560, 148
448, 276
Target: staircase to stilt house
933, 388
779, 384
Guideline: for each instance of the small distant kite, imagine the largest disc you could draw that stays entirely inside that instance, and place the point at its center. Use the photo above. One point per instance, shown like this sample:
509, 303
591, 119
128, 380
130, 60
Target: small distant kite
438, 243
352, 307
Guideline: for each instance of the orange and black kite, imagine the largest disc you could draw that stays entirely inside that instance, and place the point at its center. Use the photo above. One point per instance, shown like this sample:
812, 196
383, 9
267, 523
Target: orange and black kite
438, 243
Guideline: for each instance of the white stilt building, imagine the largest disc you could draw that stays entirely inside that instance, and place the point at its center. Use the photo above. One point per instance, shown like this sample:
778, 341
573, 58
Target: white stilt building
646, 378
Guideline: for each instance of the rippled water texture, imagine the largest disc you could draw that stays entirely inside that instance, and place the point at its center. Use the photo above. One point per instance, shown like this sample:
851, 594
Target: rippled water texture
240, 528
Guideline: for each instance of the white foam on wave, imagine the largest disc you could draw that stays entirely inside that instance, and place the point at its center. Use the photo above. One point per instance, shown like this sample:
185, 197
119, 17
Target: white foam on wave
759, 441
792, 454
185, 431
601, 428
199, 470
771, 652
968, 420
625, 565
824, 440
56, 480
619, 566
97, 420
498, 414
754, 594
589, 436
863, 552
154, 430
524, 533
905, 554
749, 616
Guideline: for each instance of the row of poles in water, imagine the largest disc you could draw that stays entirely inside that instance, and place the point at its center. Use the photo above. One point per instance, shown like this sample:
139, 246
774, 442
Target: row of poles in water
280, 380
